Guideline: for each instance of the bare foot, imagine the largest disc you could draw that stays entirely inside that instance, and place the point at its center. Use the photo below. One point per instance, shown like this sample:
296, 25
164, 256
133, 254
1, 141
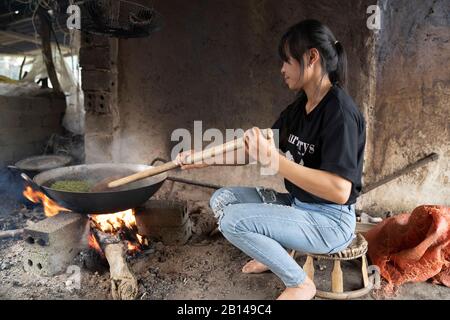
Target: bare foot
254, 266
305, 291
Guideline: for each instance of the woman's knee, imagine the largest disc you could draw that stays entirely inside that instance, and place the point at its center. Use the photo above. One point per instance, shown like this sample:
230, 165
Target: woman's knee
238, 219
228, 220
220, 200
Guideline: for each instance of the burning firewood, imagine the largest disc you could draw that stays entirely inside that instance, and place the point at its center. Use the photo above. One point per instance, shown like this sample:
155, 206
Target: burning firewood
124, 285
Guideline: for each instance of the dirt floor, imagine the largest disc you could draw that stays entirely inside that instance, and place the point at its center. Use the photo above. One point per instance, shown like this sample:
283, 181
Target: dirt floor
207, 267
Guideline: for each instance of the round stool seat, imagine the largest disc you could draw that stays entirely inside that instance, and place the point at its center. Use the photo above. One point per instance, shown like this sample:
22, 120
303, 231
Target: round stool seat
355, 250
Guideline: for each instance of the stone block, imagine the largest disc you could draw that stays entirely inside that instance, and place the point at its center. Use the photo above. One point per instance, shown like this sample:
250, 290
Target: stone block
51, 244
161, 213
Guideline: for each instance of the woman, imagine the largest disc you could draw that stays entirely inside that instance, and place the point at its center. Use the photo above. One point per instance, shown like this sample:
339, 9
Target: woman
322, 135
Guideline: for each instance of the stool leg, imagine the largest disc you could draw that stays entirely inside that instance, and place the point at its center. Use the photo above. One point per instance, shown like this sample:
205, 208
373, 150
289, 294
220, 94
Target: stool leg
337, 283
292, 254
364, 271
308, 267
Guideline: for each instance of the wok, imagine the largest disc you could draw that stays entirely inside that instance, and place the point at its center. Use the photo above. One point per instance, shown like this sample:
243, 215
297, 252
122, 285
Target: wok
114, 200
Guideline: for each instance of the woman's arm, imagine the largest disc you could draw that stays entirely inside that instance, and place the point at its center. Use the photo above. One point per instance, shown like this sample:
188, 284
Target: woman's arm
320, 183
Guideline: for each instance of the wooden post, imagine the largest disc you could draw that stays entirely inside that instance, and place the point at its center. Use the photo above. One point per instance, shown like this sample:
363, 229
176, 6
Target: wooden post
364, 271
45, 34
337, 281
308, 267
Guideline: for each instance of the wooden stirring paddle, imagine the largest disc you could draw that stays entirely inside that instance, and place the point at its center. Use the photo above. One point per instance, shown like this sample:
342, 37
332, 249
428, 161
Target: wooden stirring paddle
103, 184
191, 159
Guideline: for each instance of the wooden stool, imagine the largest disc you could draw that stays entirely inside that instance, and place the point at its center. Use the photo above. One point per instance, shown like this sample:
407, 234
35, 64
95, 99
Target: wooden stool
357, 249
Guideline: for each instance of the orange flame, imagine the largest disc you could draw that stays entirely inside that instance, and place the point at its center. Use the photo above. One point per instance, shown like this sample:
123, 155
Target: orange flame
117, 222
51, 208
132, 247
112, 223
93, 243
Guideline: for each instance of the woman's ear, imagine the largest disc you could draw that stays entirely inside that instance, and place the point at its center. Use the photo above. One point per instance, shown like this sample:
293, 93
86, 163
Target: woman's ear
314, 56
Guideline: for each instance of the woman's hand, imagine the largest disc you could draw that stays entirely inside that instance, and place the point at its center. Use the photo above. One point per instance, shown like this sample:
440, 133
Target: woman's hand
182, 161
259, 147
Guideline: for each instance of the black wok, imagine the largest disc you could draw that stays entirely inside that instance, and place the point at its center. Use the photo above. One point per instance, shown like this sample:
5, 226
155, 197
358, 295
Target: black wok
118, 199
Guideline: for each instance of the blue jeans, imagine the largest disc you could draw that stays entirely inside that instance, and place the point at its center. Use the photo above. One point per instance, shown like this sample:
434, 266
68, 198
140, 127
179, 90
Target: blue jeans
265, 230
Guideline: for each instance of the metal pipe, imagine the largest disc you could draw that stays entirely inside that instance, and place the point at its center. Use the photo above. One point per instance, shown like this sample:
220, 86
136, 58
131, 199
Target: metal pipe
195, 183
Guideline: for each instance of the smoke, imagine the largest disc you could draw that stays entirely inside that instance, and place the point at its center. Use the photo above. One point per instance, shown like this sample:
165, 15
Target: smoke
11, 188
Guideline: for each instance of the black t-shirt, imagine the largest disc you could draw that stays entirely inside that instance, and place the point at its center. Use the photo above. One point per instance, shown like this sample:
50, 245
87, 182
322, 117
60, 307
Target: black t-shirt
331, 138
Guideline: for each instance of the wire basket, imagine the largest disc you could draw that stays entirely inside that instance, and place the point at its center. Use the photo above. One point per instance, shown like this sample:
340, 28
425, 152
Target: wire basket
119, 18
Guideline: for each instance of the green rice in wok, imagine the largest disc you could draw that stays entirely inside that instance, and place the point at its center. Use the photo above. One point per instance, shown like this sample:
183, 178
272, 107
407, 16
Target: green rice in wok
71, 186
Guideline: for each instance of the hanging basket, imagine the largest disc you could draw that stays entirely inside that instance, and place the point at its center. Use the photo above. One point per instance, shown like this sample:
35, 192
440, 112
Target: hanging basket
119, 18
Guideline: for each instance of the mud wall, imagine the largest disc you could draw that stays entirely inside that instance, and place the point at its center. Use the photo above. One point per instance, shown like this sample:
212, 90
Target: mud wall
412, 109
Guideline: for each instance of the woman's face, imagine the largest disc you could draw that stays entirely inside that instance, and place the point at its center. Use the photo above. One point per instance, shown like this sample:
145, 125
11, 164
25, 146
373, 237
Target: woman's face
291, 71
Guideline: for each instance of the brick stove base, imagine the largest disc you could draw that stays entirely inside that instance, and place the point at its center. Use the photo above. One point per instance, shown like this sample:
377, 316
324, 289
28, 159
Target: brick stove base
51, 244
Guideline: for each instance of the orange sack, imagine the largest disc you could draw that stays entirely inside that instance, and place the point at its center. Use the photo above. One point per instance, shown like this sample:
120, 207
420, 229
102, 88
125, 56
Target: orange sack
413, 247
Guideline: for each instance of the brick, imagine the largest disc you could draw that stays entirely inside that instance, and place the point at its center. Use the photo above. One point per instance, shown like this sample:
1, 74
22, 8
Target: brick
96, 80
161, 213
92, 58
51, 244
97, 102
169, 235
163, 220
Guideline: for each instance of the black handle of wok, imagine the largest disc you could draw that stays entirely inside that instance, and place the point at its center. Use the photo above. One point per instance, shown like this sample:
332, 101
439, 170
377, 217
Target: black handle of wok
30, 181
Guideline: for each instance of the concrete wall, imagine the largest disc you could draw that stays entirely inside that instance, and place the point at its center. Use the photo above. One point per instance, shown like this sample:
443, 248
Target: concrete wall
412, 110
26, 124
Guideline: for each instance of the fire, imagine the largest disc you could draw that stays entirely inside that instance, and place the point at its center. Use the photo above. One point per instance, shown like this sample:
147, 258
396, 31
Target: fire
93, 243
51, 208
132, 247
140, 238
122, 223
114, 222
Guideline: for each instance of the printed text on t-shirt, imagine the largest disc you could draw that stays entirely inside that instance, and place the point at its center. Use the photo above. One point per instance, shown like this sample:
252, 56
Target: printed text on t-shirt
302, 147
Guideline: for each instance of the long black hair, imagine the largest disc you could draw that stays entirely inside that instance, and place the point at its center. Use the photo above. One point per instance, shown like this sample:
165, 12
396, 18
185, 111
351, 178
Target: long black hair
302, 37
309, 34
